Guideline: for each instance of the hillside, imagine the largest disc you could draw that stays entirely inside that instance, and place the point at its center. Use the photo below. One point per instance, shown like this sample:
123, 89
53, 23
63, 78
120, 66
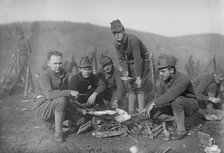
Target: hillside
80, 39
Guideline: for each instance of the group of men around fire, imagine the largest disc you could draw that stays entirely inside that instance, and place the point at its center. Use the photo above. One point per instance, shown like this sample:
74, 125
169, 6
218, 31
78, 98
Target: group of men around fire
60, 98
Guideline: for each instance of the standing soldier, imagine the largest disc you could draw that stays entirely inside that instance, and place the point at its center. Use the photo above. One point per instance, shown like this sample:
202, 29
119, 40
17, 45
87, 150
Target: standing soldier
111, 77
53, 93
23, 50
208, 92
70, 66
175, 94
134, 60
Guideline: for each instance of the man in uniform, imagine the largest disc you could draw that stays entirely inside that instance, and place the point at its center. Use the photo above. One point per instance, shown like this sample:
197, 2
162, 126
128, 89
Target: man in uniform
53, 93
208, 91
111, 77
23, 50
175, 94
87, 85
134, 60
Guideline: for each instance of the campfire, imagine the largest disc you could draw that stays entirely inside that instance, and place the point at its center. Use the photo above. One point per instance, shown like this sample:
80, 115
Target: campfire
120, 123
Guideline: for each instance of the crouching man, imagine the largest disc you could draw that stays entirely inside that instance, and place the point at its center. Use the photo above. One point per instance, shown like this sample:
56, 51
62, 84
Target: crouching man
88, 87
208, 91
111, 77
175, 93
53, 93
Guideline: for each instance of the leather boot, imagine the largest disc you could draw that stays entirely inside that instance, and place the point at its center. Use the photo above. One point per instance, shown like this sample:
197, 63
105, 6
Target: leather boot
59, 118
141, 101
180, 131
131, 102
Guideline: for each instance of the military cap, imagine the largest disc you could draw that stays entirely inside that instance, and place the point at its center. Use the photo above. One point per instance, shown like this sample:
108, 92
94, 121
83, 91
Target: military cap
85, 62
105, 60
166, 60
116, 26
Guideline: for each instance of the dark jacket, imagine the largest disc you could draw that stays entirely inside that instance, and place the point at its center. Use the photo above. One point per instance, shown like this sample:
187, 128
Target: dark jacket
113, 81
131, 50
86, 86
180, 85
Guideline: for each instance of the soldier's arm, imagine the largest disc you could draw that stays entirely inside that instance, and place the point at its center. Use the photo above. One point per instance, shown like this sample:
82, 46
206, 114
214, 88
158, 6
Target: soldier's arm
172, 93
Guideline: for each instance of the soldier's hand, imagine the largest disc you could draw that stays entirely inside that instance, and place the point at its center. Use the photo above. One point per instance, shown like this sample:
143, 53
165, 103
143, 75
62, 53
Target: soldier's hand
125, 74
84, 112
214, 100
75, 93
115, 104
138, 82
150, 108
91, 99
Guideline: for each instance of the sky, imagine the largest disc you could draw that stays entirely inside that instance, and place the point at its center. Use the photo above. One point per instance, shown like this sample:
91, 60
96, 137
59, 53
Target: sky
164, 17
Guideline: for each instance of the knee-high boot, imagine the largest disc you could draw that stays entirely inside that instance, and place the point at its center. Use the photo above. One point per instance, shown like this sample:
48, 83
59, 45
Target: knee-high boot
141, 101
59, 118
131, 102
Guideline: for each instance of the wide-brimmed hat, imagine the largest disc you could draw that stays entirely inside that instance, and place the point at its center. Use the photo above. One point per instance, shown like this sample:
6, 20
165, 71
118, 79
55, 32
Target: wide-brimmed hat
104, 60
85, 62
165, 60
116, 26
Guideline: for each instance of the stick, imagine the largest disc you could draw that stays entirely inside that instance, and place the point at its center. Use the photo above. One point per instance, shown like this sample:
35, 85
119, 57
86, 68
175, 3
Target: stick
27, 79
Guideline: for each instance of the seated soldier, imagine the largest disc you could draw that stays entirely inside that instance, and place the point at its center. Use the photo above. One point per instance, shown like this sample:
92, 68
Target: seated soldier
53, 93
175, 94
208, 91
111, 77
87, 85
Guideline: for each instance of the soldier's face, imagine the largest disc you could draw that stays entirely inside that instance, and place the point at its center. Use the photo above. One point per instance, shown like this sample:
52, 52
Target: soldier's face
86, 71
165, 73
108, 67
55, 63
118, 35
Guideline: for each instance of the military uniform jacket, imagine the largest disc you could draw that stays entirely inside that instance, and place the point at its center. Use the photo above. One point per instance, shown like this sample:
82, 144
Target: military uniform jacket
204, 84
113, 81
131, 50
23, 46
85, 86
168, 91
53, 85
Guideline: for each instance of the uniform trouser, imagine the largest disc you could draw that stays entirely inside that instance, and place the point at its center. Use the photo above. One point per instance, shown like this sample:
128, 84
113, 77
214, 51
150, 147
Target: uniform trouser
138, 93
180, 108
46, 110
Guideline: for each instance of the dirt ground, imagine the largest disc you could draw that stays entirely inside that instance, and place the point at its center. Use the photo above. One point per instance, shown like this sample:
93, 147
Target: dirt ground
21, 131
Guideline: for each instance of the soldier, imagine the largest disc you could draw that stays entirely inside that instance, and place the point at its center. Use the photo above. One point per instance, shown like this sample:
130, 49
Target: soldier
134, 60
208, 91
23, 50
175, 94
70, 66
23, 47
53, 93
111, 77
87, 85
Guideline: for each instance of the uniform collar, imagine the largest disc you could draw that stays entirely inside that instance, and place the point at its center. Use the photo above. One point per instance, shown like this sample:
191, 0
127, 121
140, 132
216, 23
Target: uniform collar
59, 75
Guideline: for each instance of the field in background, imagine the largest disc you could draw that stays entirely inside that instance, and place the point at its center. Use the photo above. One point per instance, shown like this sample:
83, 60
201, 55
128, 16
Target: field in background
81, 39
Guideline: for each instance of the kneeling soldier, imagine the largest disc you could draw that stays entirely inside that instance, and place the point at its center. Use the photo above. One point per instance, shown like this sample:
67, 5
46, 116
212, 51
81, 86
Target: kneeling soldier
175, 93
53, 93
